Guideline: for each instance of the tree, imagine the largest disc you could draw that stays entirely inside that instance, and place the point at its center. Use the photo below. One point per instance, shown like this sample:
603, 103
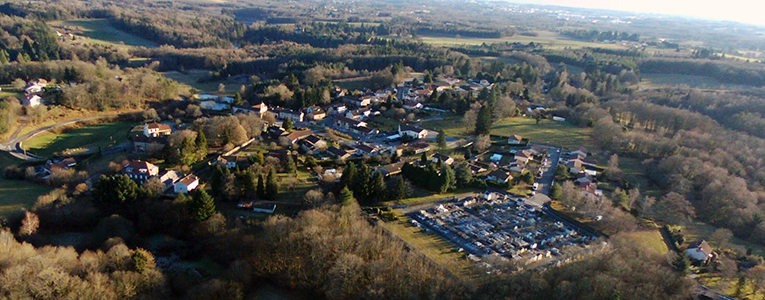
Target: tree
680, 262
150, 115
289, 165
673, 208
398, 189
528, 178
29, 224
345, 196
349, 173
463, 174
721, 238
556, 191
441, 139
202, 206
483, 121
261, 190
482, 142
423, 159
115, 190
238, 99
377, 188
287, 124
272, 187
201, 143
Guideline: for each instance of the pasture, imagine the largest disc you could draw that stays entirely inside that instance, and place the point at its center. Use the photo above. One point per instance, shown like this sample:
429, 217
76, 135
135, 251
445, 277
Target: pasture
78, 140
17, 195
99, 31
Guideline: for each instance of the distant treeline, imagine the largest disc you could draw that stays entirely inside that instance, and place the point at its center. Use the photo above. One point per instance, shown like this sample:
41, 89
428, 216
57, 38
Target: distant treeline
594, 35
724, 71
453, 31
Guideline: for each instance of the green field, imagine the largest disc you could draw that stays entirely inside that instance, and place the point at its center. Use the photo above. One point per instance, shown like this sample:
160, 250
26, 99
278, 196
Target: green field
80, 139
191, 78
99, 31
16, 195
547, 132
650, 239
8, 91
652, 81
548, 39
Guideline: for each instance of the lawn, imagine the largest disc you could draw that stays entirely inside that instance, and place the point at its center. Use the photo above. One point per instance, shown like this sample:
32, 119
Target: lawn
698, 230
7, 90
649, 239
101, 135
547, 38
547, 132
353, 83
16, 195
434, 247
99, 31
192, 78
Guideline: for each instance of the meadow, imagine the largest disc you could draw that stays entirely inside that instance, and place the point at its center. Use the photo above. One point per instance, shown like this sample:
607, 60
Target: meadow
99, 31
79, 139
17, 195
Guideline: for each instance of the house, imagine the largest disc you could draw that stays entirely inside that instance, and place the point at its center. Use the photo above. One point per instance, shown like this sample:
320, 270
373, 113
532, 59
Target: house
366, 150
312, 144
445, 159
186, 184
143, 143
515, 140
58, 164
356, 101
260, 109
31, 100
35, 86
364, 130
391, 169
337, 109
699, 252
284, 113
139, 170
315, 113
295, 136
347, 124
476, 169
275, 132
338, 153
412, 132
499, 176
591, 188
156, 129
232, 161
420, 147
579, 152
410, 105
264, 208
170, 178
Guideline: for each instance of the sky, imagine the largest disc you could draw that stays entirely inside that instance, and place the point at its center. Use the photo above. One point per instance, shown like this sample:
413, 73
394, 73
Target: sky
744, 11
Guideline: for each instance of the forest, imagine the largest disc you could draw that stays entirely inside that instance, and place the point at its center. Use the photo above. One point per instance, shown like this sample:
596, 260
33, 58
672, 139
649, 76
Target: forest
698, 149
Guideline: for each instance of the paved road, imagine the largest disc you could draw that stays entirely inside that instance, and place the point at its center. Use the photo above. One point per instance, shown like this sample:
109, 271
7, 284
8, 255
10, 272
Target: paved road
13, 146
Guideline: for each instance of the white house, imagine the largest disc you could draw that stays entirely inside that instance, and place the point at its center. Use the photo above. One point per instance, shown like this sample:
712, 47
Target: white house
31, 100
412, 132
699, 251
186, 184
156, 129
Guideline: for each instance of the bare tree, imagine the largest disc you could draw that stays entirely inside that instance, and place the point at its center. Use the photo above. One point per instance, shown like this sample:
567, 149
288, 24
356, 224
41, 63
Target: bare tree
482, 142
29, 224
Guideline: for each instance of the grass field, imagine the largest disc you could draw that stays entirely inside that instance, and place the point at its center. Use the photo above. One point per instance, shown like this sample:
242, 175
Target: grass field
652, 81
650, 239
353, 84
100, 135
16, 195
547, 38
99, 31
699, 230
191, 79
7, 90
434, 247
546, 132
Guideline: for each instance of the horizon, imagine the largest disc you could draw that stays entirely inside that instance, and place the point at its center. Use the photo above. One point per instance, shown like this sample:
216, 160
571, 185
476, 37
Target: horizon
707, 10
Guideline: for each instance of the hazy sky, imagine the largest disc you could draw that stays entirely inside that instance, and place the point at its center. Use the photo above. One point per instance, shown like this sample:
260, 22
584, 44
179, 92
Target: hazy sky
745, 11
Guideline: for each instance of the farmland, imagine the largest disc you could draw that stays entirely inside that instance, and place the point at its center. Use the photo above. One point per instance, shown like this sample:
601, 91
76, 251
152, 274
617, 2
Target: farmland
99, 31
79, 139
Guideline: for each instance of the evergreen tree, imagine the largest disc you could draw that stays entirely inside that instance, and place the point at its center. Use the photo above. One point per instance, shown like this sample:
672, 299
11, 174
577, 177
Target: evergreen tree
398, 191
287, 124
556, 191
201, 143
202, 206
345, 196
4, 57
361, 183
528, 178
289, 165
463, 174
348, 174
238, 99
272, 187
216, 181
115, 190
261, 190
450, 180
378, 188
441, 139
483, 121
423, 159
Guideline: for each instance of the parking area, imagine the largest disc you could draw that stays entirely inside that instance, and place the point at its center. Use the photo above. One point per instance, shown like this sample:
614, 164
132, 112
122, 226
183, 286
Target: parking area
496, 223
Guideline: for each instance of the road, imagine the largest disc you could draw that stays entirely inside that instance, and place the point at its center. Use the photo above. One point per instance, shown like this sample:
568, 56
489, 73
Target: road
14, 145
